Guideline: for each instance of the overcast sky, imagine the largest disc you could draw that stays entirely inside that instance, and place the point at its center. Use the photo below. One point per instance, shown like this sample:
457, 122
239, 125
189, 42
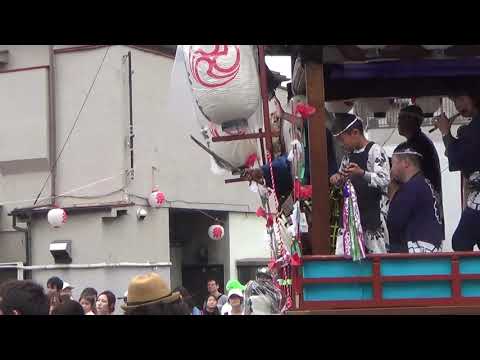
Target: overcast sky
280, 64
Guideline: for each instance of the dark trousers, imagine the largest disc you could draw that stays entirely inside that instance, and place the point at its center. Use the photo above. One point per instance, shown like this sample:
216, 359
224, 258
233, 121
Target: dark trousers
467, 233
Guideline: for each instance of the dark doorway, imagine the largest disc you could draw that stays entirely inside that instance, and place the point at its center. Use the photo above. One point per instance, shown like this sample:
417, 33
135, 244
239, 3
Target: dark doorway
195, 278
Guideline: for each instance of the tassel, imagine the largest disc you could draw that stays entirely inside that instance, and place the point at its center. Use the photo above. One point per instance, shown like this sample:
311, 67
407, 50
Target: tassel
353, 239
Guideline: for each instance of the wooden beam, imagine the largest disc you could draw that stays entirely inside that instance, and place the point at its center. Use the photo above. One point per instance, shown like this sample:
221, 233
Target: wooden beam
258, 135
318, 160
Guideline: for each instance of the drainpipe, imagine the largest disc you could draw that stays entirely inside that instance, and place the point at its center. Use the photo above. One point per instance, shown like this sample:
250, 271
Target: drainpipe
28, 237
52, 128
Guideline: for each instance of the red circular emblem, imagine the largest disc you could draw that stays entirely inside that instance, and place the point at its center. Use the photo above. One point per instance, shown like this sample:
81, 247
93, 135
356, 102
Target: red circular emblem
215, 75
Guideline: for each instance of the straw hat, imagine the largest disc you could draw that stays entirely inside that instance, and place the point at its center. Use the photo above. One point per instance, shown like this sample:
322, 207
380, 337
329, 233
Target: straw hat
148, 289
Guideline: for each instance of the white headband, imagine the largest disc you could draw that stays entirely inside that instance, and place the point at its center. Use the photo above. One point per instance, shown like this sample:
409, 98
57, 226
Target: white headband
347, 127
407, 152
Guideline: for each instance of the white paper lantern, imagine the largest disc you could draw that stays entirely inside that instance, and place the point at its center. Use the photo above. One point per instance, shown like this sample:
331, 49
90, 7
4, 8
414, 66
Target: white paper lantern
429, 104
224, 81
376, 105
236, 152
156, 199
341, 106
57, 217
216, 232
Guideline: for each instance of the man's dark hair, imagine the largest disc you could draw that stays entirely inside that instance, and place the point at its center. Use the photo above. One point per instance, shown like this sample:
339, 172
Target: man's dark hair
473, 93
178, 307
414, 113
342, 121
68, 307
24, 297
214, 280
56, 282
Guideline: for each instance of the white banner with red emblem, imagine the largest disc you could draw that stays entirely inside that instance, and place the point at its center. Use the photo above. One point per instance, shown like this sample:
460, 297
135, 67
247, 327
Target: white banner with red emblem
218, 87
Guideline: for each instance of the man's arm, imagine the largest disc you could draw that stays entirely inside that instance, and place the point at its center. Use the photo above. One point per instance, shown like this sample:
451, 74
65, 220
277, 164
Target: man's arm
378, 169
461, 151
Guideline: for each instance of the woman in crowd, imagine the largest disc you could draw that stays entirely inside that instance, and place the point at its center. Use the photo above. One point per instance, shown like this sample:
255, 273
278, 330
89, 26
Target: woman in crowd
106, 303
88, 298
188, 299
211, 306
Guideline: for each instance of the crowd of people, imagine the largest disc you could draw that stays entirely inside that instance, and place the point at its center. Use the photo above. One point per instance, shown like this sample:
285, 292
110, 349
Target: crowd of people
147, 294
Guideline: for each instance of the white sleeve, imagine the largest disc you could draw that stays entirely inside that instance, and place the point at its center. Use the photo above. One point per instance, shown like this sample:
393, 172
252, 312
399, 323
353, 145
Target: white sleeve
378, 168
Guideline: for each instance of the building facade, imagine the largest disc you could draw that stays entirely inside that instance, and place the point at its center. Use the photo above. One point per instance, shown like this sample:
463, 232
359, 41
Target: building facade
42, 104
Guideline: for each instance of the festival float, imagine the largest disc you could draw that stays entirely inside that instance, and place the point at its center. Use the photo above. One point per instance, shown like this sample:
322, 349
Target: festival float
231, 86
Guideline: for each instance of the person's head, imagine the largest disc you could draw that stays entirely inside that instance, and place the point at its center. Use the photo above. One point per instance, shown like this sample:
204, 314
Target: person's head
88, 299
406, 162
187, 298
105, 303
88, 303
68, 307
212, 286
66, 291
263, 274
348, 129
23, 297
149, 294
467, 105
54, 284
235, 298
211, 304
410, 120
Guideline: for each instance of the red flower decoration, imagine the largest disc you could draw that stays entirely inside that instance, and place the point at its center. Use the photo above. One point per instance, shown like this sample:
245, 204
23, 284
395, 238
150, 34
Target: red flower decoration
305, 110
251, 160
302, 192
269, 221
261, 212
295, 260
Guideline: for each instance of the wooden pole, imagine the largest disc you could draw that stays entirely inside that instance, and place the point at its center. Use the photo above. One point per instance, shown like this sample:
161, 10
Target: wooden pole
264, 92
318, 160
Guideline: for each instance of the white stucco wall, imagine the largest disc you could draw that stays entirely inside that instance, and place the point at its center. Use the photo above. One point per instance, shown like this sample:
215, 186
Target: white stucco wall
97, 150
247, 239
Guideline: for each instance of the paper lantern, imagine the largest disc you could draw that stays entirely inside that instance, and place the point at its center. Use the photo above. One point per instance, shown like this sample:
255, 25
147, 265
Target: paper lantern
216, 232
224, 81
237, 152
57, 217
156, 199
429, 104
336, 107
